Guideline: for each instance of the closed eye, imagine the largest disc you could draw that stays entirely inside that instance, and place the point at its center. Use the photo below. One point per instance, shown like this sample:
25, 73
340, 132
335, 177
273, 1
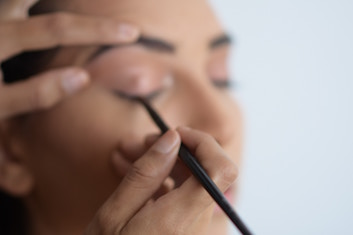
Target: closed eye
224, 83
150, 96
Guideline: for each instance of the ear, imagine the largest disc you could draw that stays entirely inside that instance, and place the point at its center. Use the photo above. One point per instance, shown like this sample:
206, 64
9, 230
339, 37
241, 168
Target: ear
15, 177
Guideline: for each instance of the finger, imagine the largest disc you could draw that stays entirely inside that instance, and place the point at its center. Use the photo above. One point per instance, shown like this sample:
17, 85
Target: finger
40, 92
142, 181
15, 9
218, 166
131, 150
61, 29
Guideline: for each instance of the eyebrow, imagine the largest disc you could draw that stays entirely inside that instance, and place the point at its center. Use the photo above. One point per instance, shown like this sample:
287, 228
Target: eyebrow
223, 40
161, 45
155, 44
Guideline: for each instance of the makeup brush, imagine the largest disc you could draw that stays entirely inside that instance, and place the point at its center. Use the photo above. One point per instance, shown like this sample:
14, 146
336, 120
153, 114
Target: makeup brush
198, 171
196, 168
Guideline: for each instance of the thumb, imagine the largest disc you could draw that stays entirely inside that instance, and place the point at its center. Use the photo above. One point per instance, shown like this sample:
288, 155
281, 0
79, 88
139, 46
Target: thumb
144, 178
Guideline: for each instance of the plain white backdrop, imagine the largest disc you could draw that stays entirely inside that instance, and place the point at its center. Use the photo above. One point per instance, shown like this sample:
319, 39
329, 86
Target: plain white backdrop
293, 62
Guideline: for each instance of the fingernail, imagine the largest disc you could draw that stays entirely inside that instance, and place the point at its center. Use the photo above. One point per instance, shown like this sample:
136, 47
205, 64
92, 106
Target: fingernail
74, 80
127, 32
167, 142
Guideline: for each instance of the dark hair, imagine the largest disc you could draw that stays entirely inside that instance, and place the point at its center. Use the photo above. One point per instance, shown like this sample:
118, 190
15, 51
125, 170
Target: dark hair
13, 217
29, 63
26, 65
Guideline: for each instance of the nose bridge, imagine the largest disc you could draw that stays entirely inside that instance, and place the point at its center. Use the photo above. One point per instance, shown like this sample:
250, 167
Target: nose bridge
210, 111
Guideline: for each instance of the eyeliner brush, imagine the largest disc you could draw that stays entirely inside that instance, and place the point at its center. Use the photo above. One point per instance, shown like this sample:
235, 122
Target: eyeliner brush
198, 171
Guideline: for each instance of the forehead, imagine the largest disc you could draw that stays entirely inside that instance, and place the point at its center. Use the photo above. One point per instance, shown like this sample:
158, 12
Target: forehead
176, 20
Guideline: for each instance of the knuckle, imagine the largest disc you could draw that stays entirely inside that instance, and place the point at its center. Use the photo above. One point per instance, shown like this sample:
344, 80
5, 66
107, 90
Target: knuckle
58, 23
143, 174
103, 27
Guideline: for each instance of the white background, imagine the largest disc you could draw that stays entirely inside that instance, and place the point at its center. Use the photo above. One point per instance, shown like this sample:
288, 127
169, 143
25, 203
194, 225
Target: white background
294, 64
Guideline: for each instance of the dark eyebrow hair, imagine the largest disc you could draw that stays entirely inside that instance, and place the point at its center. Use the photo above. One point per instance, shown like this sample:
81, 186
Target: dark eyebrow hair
161, 45
155, 44
222, 40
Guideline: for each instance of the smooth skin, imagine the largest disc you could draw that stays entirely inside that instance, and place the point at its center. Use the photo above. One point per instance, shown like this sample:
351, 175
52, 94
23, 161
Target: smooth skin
62, 165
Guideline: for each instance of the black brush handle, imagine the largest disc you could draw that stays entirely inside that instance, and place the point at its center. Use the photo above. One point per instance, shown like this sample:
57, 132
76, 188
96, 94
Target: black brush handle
197, 170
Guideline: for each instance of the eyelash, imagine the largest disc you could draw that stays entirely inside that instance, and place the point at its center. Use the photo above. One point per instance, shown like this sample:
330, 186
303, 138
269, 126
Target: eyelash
221, 84
153, 95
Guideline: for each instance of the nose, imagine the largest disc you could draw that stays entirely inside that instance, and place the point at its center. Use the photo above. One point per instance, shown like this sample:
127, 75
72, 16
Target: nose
211, 110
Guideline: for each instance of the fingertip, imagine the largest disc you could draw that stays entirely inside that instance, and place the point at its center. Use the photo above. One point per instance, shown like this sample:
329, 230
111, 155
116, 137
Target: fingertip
74, 80
167, 142
127, 32
183, 131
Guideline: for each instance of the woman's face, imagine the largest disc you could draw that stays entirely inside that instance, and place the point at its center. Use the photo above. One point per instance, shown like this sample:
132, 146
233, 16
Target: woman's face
180, 65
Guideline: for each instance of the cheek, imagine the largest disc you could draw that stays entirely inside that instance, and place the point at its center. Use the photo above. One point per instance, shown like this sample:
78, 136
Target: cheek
69, 147
80, 134
81, 126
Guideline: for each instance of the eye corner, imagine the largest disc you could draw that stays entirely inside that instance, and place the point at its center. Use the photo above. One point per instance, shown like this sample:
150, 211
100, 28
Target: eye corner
224, 83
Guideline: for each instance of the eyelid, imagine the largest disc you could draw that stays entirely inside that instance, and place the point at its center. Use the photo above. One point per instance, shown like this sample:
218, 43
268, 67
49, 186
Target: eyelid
154, 94
166, 83
149, 96
148, 43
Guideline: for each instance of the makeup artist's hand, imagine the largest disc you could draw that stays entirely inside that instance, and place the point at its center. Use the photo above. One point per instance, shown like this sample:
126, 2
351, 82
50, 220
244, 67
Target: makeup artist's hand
186, 209
19, 33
